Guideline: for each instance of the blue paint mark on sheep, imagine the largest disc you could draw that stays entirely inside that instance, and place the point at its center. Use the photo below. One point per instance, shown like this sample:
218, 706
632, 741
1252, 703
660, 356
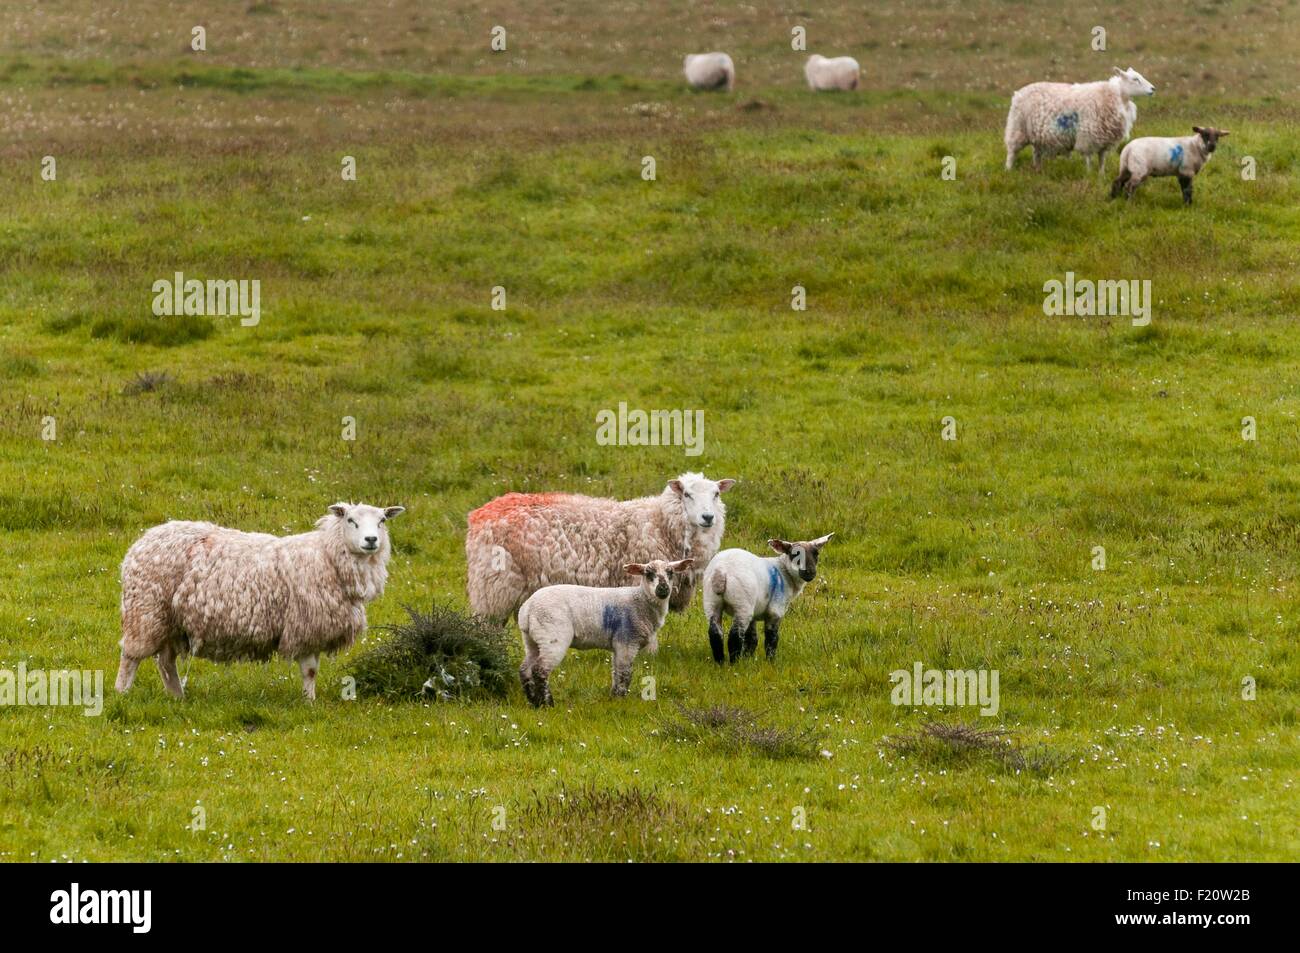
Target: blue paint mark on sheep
617, 621
775, 584
1067, 122
1176, 156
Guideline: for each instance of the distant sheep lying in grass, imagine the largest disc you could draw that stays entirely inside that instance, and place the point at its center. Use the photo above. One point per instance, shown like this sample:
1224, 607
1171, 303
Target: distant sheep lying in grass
1089, 118
839, 73
710, 71
750, 587
223, 594
520, 542
623, 620
1183, 156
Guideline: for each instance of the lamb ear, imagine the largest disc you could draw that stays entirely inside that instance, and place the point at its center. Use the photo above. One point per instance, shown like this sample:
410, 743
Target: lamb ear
683, 564
780, 545
725, 485
392, 511
339, 509
821, 541
634, 569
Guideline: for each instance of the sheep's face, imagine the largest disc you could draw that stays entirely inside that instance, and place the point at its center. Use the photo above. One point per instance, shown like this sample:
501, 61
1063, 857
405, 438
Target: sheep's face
1210, 136
1134, 83
701, 498
801, 558
657, 575
365, 528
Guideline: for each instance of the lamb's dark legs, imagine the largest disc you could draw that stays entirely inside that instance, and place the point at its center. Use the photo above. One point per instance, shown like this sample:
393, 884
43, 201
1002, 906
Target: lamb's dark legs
751, 638
771, 632
734, 640
715, 640
1185, 183
1117, 187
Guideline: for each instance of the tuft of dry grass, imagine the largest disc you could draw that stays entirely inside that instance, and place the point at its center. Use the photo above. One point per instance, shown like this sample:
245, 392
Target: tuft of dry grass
944, 743
739, 729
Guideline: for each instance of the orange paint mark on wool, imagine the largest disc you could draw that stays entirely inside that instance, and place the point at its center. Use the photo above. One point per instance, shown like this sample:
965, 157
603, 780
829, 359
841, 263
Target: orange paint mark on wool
512, 506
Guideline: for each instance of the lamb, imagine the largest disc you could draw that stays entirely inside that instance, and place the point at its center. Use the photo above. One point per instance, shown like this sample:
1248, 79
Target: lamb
824, 74
623, 620
1088, 118
1182, 156
710, 71
751, 587
520, 542
222, 594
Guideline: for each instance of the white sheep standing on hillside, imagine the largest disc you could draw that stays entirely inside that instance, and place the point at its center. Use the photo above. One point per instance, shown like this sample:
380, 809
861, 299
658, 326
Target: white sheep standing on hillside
222, 594
624, 620
521, 542
1088, 118
750, 587
709, 71
840, 72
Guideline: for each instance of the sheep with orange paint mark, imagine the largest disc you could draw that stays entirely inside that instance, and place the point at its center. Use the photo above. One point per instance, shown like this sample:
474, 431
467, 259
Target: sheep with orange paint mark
521, 542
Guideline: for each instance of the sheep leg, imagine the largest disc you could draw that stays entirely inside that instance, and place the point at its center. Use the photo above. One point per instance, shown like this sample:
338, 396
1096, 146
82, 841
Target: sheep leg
751, 638
126, 673
624, 656
771, 632
715, 639
1087, 161
735, 638
1185, 183
1101, 164
1117, 186
167, 669
1038, 159
1131, 186
307, 665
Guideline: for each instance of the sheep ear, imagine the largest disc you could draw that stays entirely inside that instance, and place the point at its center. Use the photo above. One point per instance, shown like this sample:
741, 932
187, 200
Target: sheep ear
392, 511
1196, 129
725, 485
676, 486
634, 569
1119, 71
821, 541
1222, 133
339, 509
683, 564
780, 545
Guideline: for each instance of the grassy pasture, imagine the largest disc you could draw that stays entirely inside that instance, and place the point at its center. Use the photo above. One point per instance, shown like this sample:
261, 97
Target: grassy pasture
1122, 687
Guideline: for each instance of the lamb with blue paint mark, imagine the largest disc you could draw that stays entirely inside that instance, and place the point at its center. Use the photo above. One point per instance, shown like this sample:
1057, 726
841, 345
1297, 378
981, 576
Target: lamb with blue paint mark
623, 620
750, 588
1089, 118
1183, 156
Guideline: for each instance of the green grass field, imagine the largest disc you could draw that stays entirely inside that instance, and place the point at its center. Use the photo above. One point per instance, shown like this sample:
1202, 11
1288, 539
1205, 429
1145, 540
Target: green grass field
1123, 687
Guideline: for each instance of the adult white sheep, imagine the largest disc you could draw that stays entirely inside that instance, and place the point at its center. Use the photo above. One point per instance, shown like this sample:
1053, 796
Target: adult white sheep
1183, 156
1088, 118
840, 72
751, 587
709, 71
624, 621
521, 542
222, 594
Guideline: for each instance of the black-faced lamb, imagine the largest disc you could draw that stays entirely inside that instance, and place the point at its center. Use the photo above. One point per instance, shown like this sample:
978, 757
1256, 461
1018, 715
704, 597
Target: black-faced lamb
623, 620
1183, 156
750, 588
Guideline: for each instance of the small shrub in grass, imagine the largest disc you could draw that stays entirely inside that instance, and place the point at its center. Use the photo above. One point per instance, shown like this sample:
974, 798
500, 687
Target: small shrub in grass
145, 382
737, 729
950, 745
440, 654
